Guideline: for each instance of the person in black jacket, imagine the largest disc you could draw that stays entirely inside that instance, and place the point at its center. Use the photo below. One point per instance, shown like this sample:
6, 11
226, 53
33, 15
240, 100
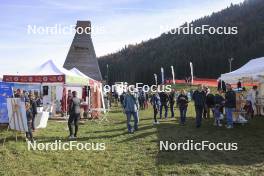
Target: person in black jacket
164, 98
219, 100
218, 107
74, 111
230, 105
122, 97
199, 103
172, 98
182, 102
209, 103
34, 111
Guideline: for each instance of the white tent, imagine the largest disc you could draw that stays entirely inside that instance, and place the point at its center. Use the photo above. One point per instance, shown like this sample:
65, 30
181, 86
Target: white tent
52, 76
253, 70
48, 72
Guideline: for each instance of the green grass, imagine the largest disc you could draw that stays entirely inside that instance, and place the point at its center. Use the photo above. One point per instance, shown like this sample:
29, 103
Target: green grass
138, 153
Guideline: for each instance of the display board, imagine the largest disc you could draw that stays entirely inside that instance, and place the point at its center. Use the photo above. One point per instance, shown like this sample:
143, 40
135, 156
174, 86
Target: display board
17, 114
5, 92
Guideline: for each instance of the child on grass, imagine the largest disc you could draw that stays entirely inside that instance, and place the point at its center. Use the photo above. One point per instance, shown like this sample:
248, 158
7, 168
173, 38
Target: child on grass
217, 115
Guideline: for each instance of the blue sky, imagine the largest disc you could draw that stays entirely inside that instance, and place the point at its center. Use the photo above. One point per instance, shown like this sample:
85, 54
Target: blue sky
123, 22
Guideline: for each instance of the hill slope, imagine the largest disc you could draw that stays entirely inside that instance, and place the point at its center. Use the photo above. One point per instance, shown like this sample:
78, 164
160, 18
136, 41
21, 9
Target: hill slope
209, 53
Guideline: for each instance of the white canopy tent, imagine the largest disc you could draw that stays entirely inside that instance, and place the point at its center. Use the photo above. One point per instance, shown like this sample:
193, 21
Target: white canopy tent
52, 76
253, 70
48, 72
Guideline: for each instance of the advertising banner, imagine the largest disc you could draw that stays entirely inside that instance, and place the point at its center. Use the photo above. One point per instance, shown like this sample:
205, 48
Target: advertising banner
5, 92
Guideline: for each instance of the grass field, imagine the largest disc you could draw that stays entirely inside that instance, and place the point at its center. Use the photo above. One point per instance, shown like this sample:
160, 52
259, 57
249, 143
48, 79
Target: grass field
138, 153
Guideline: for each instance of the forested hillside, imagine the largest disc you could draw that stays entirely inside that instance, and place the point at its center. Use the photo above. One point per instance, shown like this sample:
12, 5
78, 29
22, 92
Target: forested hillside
209, 53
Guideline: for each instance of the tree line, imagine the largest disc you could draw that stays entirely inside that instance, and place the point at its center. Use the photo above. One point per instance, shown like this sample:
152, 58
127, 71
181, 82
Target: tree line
209, 53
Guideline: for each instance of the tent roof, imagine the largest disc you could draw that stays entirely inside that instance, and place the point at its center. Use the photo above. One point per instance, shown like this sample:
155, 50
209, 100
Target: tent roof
78, 72
252, 70
49, 68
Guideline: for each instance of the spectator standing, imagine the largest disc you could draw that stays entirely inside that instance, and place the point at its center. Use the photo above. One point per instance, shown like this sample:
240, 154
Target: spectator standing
172, 98
34, 110
230, 105
74, 112
182, 102
155, 102
199, 103
164, 99
131, 108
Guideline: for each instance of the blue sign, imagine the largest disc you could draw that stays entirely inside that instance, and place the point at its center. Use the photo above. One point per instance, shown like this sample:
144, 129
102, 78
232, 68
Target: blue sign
5, 92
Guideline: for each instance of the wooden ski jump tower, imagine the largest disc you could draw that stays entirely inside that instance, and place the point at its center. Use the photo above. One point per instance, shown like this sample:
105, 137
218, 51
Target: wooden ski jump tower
81, 54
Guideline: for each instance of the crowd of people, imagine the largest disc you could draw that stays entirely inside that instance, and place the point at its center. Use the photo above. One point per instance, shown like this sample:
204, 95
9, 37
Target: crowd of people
205, 103
163, 104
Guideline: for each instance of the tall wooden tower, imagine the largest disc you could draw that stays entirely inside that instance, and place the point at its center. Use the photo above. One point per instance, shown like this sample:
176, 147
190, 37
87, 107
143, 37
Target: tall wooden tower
81, 54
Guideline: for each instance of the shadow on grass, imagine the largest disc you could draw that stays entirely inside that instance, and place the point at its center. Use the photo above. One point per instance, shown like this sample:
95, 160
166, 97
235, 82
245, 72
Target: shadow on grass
249, 138
80, 138
140, 120
116, 111
121, 129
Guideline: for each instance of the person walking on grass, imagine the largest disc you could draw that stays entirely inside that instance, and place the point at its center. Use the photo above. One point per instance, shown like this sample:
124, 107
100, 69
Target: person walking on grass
34, 110
199, 103
164, 99
172, 98
29, 115
218, 107
155, 102
131, 108
74, 112
122, 97
182, 103
230, 105
205, 110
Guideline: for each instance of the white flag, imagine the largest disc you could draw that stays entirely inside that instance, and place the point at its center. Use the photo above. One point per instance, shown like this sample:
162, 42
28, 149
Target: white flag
156, 79
173, 75
162, 75
191, 66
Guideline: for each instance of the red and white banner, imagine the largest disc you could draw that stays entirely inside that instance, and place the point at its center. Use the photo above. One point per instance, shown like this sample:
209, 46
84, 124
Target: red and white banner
35, 79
